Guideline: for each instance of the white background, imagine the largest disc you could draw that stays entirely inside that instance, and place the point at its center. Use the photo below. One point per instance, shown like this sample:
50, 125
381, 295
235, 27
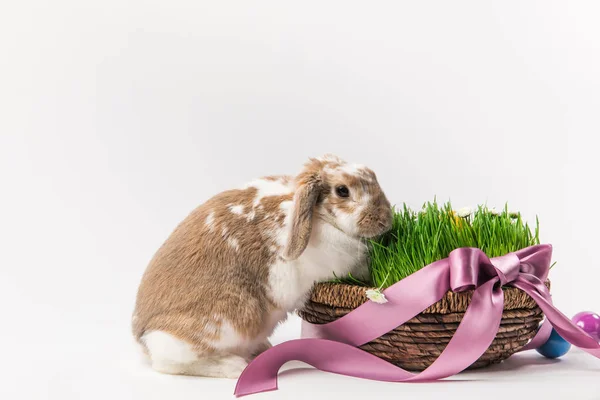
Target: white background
118, 117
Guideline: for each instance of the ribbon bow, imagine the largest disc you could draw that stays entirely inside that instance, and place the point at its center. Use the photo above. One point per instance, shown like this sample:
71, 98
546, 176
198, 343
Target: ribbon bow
332, 347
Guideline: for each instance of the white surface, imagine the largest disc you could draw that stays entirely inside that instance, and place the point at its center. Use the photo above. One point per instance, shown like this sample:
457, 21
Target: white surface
118, 117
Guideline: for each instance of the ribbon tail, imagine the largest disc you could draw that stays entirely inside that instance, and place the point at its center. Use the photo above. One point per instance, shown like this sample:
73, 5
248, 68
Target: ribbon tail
325, 355
561, 323
543, 333
473, 336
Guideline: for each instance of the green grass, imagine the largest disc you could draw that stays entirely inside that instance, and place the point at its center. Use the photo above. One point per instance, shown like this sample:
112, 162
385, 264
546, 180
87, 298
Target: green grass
420, 238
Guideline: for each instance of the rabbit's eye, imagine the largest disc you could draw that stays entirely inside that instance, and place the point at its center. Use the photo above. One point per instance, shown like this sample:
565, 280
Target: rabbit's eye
342, 191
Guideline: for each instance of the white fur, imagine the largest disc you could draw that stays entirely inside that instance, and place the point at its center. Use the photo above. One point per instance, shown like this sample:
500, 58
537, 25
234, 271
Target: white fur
268, 188
236, 209
233, 242
352, 169
346, 221
286, 206
167, 348
231, 342
364, 202
171, 355
210, 220
281, 235
331, 171
265, 188
211, 328
365, 199
229, 338
329, 251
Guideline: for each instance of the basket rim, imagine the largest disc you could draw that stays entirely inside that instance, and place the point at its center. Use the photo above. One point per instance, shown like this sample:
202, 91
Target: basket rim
343, 295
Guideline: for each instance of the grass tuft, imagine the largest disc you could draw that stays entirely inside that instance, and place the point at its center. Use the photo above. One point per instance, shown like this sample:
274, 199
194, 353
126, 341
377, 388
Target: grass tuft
420, 238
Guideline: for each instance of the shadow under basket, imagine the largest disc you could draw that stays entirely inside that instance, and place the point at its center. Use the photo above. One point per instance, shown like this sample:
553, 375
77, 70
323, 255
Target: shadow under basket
417, 343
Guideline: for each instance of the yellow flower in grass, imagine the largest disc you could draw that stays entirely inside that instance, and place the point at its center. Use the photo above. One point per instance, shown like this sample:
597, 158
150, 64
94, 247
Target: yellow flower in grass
460, 215
376, 296
455, 218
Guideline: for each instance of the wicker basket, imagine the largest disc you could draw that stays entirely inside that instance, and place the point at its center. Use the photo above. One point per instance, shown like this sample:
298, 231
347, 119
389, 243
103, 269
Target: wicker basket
417, 343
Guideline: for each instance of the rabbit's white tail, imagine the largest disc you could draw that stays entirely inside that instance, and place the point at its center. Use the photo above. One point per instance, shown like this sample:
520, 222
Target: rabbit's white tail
171, 355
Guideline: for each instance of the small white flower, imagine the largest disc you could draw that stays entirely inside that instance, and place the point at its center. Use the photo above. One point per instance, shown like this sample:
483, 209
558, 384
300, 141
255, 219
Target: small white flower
464, 212
376, 296
492, 211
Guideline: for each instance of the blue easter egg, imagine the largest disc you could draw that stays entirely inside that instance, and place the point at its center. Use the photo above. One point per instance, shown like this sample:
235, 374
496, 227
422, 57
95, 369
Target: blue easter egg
555, 347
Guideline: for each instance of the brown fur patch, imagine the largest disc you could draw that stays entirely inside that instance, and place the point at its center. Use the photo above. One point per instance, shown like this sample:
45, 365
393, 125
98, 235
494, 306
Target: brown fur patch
195, 280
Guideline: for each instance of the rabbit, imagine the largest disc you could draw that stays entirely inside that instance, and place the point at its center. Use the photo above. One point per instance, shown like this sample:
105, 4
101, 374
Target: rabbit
239, 263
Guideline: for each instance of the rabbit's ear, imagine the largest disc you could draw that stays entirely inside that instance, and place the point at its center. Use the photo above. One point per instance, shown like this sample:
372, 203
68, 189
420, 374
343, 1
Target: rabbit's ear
305, 198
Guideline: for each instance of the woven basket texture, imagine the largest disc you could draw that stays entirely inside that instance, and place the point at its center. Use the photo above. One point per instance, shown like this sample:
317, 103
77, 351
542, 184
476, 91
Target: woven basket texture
418, 342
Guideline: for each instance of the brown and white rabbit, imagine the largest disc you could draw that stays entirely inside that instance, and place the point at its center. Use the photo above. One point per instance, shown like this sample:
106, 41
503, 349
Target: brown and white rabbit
232, 270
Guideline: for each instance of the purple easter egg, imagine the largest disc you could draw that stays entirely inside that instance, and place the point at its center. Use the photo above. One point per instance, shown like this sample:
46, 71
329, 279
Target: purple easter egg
589, 322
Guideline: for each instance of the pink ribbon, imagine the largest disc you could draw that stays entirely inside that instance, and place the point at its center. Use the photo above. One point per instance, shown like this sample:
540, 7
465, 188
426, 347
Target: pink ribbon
333, 348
